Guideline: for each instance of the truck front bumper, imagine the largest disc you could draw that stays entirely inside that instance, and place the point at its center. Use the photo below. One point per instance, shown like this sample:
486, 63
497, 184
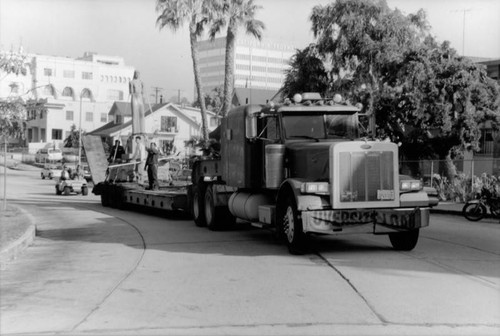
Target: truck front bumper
366, 220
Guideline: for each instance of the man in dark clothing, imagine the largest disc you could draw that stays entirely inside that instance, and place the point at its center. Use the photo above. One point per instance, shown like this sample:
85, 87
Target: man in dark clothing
116, 152
152, 166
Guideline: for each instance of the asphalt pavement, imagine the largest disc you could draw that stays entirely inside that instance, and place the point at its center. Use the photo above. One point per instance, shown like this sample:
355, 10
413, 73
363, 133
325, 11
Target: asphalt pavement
18, 227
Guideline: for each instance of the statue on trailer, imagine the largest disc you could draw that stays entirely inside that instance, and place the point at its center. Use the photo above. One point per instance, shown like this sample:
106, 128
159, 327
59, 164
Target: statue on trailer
136, 89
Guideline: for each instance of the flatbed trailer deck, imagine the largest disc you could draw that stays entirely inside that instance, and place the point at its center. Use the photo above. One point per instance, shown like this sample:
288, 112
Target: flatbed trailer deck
120, 195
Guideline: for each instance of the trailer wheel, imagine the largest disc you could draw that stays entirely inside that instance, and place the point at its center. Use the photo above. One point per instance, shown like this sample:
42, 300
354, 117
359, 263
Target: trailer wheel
290, 226
404, 241
43, 176
216, 217
85, 191
67, 191
197, 204
58, 191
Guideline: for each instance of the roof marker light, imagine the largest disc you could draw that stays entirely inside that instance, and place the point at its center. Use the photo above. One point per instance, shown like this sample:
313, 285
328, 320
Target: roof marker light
297, 98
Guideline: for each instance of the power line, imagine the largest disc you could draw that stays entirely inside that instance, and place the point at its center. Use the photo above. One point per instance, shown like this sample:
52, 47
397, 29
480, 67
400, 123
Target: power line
157, 90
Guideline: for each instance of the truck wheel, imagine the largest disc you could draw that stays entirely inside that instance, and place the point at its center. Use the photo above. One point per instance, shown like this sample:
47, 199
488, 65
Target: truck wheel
290, 226
197, 205
58, 191
404, 241
104, 198
43, 176
67, 191
216, 217
85, 191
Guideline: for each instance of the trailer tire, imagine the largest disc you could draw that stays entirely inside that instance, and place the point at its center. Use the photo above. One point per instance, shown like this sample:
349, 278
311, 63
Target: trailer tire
290, 226
85, 191
58, 192
216, 217
67, 191
404, 241
197, 204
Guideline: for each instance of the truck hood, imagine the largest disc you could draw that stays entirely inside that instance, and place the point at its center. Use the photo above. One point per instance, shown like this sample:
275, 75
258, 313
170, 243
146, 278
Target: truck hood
308, 160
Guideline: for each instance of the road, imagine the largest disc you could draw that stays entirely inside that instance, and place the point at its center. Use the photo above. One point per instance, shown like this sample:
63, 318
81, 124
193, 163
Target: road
103, 271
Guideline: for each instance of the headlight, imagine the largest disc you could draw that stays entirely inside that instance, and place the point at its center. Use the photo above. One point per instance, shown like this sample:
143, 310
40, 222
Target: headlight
322, 188
410, 185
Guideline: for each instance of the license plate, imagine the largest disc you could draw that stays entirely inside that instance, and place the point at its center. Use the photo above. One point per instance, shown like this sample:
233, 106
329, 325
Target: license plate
385, 195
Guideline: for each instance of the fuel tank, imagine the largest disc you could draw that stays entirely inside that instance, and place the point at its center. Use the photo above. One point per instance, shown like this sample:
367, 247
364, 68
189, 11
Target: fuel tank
245, 205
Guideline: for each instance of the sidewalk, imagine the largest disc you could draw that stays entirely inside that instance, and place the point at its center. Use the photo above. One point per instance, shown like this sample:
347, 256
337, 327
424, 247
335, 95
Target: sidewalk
17, 227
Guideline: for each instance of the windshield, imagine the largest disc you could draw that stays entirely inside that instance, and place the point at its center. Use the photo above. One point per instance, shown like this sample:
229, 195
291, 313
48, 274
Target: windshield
321, 126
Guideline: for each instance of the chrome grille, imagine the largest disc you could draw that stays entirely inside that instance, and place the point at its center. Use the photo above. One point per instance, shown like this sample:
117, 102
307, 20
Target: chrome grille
366, 176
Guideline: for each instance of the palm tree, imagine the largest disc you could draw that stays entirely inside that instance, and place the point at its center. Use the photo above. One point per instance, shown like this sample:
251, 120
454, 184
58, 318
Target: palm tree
173, 13
234, 13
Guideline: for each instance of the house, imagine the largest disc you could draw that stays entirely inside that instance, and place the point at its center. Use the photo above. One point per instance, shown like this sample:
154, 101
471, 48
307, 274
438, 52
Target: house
171, 125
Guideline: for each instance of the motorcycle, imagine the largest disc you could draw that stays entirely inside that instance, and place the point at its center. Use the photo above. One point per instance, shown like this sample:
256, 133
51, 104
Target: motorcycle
476, 209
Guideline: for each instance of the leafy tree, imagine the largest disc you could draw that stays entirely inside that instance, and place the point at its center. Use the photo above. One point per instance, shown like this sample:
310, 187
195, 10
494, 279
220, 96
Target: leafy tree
362, 39
73, 138
423, 94
307, 73
173, 13
233, 14
213, 99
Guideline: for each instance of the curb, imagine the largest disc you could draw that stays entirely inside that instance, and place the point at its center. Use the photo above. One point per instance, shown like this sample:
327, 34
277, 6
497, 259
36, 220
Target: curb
12, 250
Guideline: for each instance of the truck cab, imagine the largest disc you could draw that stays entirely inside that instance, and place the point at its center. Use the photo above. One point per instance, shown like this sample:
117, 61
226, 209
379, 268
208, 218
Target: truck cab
301, 168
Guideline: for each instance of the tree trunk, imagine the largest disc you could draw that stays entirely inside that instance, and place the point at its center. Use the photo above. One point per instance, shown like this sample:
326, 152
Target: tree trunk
229, 68
197, 80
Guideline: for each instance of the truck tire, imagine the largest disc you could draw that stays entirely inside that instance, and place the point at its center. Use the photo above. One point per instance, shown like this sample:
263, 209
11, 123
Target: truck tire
404, 241
67, 191
216, 217
197, 207
58, 192
104, 198
290, 226
85, 191
43, 176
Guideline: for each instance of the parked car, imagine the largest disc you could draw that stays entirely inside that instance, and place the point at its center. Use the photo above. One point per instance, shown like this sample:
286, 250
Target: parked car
51, 171
48, 155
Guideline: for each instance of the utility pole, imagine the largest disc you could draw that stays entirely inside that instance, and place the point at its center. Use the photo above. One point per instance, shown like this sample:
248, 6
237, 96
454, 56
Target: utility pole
465, 11
156, 90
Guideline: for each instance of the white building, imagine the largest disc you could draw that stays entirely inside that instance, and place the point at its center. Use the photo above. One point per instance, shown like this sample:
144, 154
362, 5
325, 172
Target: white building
167, 123
258, 67
77, 92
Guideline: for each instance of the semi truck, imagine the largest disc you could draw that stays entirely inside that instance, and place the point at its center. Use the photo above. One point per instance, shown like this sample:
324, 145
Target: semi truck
300, 168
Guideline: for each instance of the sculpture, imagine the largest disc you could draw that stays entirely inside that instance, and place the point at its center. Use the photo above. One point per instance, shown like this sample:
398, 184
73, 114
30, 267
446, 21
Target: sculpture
136, 89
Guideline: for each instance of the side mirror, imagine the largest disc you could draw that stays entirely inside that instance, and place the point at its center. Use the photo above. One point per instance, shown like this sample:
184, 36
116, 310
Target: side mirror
251, 126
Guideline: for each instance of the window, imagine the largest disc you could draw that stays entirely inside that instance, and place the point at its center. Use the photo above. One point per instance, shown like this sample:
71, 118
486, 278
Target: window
168, 124
69, 74
115, 95
213, 122
47, 72
48, 90
486, 142
118, 119
104, 117
86, 75
14, 88
69, 115
89, 116
57, 134
67, 92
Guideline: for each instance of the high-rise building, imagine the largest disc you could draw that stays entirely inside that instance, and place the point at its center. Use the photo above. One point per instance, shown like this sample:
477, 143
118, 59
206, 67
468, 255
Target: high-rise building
258, 67
75, 92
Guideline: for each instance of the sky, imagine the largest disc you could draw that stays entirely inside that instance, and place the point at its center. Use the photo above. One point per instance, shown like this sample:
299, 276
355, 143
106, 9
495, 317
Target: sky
127, 28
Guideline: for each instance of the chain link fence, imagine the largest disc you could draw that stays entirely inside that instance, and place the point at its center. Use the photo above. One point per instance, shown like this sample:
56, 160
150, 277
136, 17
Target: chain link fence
471, 175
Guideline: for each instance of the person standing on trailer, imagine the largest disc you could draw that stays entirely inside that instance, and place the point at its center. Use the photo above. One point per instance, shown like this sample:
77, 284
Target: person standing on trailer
139, 155
152, 166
